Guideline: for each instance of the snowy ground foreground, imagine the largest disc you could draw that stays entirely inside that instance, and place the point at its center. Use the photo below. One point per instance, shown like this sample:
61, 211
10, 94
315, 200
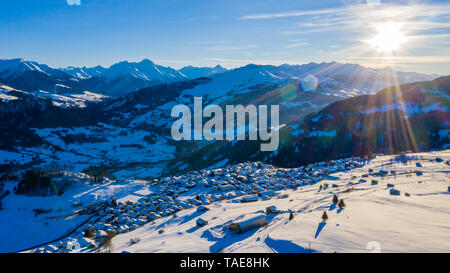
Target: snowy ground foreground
420, 222
20, 228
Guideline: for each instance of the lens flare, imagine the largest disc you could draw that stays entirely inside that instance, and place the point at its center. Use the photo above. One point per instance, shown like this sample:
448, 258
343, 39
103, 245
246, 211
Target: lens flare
309, 83
288, 92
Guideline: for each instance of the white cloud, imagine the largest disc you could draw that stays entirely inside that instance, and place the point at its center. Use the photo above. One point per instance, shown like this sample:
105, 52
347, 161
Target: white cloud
423, 17
295, 45
289, 14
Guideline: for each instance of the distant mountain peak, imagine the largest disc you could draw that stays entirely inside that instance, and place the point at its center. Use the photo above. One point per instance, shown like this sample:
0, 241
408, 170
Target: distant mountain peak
193, 72
144, 61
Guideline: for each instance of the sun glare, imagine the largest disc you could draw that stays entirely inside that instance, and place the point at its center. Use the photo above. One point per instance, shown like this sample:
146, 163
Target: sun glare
389, 37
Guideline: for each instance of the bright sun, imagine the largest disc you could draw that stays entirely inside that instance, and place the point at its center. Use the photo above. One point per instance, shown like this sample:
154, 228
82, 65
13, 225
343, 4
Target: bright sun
389, 37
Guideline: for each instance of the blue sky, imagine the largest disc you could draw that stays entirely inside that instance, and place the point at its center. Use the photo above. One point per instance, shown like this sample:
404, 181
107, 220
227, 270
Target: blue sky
231, 33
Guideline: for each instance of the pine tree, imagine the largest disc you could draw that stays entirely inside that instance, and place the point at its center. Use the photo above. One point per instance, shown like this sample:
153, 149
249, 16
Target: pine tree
324, 216
335, 199
341, 204
291, 216
320, 188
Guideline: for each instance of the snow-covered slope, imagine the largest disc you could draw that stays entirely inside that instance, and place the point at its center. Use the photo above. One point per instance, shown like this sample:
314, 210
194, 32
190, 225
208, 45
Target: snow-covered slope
400, 118
392, 204
32, 76
78, 100
145, 69
334, 79
28, 221
372, 217
124, 77
4, 96
119, 79
13, 67
193, 72
140, 124
331, 79
84, 72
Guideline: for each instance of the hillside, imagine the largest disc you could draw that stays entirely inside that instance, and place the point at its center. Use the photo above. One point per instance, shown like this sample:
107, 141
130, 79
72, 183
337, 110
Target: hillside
130, 136
400, 118
389, 200
372, 217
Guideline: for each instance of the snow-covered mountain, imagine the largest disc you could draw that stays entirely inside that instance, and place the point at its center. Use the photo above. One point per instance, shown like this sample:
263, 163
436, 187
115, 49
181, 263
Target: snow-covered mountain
134, 129
193, 72
84, 72
126, 77
32, 76
8, 94
119, 79
146, 70
10, 68
412, 117
87, 147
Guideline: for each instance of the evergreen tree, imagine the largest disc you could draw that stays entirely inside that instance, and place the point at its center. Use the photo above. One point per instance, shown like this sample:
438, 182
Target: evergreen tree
324, 216
291, 216
335, 199
341, 204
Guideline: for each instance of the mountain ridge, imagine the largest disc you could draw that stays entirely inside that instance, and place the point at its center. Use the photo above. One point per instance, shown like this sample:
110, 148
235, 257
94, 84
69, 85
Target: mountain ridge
125, 77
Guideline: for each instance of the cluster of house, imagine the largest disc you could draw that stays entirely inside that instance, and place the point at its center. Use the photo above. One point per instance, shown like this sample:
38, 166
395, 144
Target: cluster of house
244, 182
